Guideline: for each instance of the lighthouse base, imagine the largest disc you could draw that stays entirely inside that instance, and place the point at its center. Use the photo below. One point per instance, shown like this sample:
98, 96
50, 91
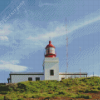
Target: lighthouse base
51, 68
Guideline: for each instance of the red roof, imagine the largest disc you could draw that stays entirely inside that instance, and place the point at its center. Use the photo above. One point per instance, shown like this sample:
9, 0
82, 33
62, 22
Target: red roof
50, 45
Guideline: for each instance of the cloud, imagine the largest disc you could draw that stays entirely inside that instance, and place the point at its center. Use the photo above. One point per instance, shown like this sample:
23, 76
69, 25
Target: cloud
5, 30
83, 22
59, 31
9, 62
11, 66
4, 38
45, 4
20, 31
19, 39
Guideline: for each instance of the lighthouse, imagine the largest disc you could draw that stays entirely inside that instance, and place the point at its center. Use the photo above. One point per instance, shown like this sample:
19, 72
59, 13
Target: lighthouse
50, 69
51, 63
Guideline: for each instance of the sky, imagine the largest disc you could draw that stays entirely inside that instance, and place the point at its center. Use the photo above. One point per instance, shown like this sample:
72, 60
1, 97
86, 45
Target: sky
27, 25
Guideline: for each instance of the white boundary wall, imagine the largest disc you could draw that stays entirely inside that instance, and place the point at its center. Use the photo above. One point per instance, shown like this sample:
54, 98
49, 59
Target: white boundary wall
63, 75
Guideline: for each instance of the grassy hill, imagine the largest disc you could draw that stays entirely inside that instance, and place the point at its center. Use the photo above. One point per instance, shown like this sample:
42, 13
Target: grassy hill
67, 88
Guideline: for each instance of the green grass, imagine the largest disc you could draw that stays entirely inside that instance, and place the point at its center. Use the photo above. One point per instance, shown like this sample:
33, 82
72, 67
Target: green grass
1, 97
49, 89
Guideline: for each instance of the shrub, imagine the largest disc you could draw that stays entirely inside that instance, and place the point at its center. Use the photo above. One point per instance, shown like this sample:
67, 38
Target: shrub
33, 89
4, 89
21, 86
67, 82
98, 88
87, 90
50, 92
83, 79
6, 97
61, 92
36, 96
25, 96
83, 96
95, 87
82, 84
28, 95
73, 95
55, 94
10, 97
94, 90
92, 84
80, 90
91, 91
68, 94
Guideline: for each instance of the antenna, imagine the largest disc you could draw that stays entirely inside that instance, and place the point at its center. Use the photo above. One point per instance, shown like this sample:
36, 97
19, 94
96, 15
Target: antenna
66, 45
80, 68
80, 73
49, 38
67, 52
93, 74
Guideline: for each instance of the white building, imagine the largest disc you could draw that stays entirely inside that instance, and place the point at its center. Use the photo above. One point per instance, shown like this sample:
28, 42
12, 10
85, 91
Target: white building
50, 70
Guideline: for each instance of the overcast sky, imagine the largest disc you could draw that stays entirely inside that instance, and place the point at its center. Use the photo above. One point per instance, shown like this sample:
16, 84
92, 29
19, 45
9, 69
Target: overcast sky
25, 28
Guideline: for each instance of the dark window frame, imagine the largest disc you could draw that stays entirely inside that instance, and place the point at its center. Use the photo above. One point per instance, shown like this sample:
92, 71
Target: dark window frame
29, 78
62, 78
37, 78
52, 72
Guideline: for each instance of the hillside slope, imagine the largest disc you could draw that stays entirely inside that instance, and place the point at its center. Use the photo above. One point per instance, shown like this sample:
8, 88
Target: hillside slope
67, 89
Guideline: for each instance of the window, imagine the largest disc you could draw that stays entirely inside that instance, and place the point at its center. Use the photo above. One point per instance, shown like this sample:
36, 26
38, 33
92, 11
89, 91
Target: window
30, 79
62, 78
37, 78
52, 50
48, 51
51, 72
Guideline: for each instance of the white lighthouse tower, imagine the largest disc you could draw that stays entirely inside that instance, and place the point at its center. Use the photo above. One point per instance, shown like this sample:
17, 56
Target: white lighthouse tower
51, 63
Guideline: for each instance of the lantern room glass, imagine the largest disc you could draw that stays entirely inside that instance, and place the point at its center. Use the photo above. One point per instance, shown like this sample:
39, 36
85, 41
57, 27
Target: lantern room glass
50, 50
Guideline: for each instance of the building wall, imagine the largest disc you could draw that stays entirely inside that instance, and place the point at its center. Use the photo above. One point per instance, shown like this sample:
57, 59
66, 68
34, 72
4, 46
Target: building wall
51, 64
20, 78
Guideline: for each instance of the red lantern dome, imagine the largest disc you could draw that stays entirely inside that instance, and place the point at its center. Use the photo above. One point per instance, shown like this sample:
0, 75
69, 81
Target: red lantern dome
50, 50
